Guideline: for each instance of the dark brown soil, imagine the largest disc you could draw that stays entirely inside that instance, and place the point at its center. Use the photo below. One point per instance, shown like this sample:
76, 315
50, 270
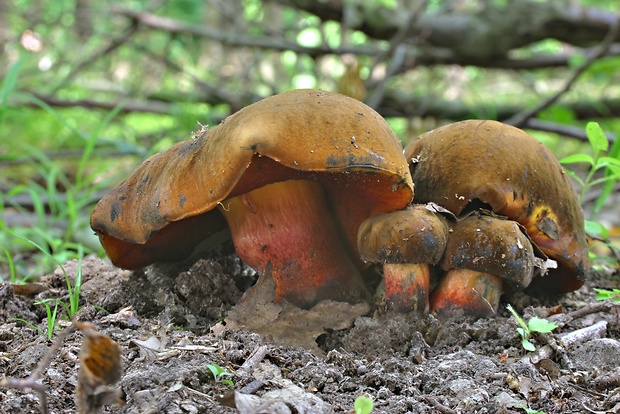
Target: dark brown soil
169, 324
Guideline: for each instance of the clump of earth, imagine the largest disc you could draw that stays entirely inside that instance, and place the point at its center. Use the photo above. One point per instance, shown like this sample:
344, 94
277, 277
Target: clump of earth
174, 321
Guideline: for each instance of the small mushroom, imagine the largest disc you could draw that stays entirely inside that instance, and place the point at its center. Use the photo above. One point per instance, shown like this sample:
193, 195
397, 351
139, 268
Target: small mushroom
483, 254
293, 176
485, 164
406, 242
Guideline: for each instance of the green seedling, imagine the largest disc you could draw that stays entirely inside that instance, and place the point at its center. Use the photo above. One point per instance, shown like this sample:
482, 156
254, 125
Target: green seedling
533, 325
51, 315
219, 373
604, 294
607, 160
51, 318
610, 163
363, 405
74, 289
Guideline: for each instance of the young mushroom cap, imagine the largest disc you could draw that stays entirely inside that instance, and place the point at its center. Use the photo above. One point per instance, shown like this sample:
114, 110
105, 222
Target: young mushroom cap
483, 254
413, 235
472, 164
169, 203
491, 245
406, 242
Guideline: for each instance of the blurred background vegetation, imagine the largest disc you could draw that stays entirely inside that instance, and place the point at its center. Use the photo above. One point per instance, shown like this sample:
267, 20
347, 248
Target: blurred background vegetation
90, 89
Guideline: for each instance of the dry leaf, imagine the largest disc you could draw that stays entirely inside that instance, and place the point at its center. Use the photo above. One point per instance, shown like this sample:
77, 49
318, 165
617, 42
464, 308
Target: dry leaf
286, 324
28, 289
125, 318
100, 370
149, 349
288, 400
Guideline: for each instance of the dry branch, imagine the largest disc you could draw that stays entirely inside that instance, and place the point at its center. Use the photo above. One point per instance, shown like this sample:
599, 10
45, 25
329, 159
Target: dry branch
520, 119
478, 35
236, 39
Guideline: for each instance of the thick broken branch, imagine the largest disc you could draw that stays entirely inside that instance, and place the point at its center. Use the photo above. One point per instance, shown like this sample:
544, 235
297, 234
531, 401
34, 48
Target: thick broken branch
480, 35
425, 55
520, 119
237, 39
402, 104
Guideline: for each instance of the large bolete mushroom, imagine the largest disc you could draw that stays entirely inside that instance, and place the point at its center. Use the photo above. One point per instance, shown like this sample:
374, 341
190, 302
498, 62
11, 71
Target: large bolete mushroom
293, 176
472, 164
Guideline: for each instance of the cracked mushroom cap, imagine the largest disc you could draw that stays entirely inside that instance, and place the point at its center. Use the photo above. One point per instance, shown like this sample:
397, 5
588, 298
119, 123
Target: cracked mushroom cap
168, 204
484, 254
491, 245
413, 235
406, 242
472, 164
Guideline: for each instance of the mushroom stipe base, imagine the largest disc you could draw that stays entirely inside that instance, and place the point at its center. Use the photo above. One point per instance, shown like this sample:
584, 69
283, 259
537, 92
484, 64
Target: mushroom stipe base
467, 292
407, 287
289, 224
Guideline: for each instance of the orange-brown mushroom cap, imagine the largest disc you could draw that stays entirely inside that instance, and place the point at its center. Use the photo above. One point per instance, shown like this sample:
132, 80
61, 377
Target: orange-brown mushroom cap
483, 254
478, 163
406, 242
168, 204
413, 235
491, 245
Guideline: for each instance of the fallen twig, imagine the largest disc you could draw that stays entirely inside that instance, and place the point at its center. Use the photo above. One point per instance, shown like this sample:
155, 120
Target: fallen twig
569, 339
255, 358
608, 380
31, 380
437, 406
591, 308
559, 350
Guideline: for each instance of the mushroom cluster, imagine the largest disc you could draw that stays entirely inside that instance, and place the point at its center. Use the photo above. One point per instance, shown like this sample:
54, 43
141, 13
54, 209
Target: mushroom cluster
315, 186
473, 257
292, 176
512, 207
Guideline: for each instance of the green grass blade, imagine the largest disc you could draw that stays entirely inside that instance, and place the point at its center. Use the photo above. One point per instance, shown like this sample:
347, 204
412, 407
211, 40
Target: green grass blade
74, 290
9, 83
41, 249
36, 101
9, 260
32, 325
91, 143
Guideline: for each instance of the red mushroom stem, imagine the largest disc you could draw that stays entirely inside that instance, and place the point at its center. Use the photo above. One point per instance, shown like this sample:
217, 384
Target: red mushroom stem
407, 286
290, 224
462, 290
